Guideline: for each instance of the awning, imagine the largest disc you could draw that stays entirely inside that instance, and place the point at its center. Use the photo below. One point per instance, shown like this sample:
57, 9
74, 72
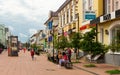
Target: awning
87, 26
83, 27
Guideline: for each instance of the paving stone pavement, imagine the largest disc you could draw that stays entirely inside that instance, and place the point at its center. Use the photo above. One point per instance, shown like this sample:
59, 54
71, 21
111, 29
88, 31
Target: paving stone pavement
23, 65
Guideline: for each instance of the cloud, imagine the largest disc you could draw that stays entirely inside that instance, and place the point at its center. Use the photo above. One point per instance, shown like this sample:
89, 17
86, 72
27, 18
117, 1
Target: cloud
22, 16
11, 28
32, 31
29, 8
22, 35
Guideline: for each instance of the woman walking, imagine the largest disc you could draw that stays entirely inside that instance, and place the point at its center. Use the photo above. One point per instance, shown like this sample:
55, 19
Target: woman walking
32, 54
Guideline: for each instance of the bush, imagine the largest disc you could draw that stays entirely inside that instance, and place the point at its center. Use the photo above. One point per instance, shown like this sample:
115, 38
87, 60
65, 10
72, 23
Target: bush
113, 71
90, 65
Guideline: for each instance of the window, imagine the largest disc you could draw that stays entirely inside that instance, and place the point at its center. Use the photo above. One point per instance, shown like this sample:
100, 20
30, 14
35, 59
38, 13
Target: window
107, 6
84, 9
67, 16
113, 6
116, 35
90, 3
116, 5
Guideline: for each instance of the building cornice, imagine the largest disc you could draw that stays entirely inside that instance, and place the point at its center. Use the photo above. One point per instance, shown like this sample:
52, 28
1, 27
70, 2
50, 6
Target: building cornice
63, 5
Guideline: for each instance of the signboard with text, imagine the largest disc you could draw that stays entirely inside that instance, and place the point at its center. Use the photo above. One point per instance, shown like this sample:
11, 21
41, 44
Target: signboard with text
89, 15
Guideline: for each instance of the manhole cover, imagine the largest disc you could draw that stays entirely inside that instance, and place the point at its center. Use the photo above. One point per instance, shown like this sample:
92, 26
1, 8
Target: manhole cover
50, 69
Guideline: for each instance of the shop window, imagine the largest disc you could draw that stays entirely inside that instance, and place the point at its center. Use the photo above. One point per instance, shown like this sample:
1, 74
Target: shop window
116, 35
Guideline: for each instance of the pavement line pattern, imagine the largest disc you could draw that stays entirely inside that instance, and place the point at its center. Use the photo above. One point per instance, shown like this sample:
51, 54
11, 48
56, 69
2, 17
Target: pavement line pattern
86, 70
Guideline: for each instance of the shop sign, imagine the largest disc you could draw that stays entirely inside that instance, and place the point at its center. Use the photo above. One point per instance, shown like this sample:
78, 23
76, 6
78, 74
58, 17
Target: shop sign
90, 15
50, 25
50, 38
117, 13
107, 17
95, 21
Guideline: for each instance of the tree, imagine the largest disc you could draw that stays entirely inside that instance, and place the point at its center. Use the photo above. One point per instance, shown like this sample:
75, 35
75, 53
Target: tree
88, 40
91, 46
75, 42
56, 42
63, 42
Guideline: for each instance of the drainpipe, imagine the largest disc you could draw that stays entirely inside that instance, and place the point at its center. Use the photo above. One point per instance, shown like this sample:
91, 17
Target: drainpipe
97, 32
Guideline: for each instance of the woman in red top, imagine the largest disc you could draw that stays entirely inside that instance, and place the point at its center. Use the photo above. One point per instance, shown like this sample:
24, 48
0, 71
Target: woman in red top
32, 54
65, 57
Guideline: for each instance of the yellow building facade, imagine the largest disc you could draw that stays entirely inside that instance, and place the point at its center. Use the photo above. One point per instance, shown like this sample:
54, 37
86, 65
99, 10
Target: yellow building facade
88, 10
68, 18
109, 28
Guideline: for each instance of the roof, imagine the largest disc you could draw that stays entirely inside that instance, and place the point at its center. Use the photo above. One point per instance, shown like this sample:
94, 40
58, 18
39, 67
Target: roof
63, 5
55, 14
52, 14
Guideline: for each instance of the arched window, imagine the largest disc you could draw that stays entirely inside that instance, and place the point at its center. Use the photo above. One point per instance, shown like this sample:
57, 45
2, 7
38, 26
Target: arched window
115, 31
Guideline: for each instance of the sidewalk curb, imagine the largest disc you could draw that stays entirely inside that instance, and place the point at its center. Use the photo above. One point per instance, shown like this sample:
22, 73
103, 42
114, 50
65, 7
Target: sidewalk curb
85, 70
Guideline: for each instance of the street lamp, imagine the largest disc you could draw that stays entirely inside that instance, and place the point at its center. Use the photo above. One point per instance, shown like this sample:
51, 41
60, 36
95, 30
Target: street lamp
53, 41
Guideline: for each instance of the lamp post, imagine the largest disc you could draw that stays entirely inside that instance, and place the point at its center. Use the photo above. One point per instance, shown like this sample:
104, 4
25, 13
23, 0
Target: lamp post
53, 42
77, 16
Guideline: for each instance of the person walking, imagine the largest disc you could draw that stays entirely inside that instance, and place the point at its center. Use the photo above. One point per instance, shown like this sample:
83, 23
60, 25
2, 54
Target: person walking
24, 50
69, 54
32, 54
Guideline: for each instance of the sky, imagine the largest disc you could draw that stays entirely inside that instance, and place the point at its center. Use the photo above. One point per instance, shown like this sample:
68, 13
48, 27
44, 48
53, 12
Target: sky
25, 17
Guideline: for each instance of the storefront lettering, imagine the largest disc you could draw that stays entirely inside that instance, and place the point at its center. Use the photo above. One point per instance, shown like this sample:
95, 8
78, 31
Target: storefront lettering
95, 21
117, 13
107, 17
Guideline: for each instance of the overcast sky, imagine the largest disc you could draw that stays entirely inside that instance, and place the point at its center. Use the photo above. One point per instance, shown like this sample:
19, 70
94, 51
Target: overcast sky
25, 17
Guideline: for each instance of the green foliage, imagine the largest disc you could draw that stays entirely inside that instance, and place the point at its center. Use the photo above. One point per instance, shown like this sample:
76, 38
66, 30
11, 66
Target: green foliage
34, 46
88, 41
75, 40
98, 48
90, 65
56, 42
114, 46
89, 44
113, 71
63, 42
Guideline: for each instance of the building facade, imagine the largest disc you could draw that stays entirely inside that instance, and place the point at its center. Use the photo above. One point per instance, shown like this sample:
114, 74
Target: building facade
89, 10
109, 28
82, 15
68, 18
51, 24
3, 35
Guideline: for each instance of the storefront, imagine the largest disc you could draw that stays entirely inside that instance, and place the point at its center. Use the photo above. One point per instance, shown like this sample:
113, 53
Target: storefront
109, 32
